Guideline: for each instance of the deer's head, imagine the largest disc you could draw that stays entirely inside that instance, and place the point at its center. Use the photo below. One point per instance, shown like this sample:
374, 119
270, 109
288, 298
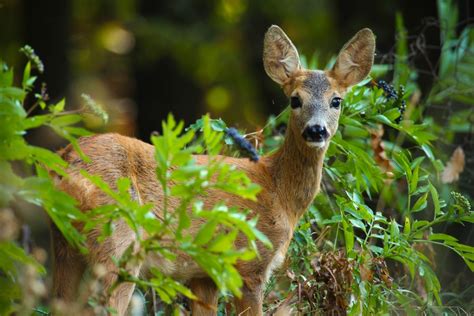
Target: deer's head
316, 95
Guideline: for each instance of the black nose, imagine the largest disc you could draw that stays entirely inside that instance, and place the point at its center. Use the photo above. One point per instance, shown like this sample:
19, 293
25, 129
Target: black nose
315, 133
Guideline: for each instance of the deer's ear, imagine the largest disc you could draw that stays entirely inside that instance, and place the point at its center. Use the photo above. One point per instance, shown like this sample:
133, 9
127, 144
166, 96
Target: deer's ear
280, 57
355, 59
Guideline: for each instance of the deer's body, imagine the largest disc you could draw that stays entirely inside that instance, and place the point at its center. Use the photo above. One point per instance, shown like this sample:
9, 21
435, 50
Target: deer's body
289, 178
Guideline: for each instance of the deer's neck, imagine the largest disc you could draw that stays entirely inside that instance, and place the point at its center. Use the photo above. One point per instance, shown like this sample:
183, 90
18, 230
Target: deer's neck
296, 170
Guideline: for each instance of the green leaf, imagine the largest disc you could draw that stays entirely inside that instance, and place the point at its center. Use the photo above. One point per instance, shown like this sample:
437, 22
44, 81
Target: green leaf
401, 67
10, 293
60, 207
36, 121
6, 75
26, 76
348, 236
50, 159
394, 230
406, 227
13, 93
223, 241
66, 120
262, 238
420, 204
392, 114
435, 199
429, 153
414, 179
419, 224
383, 119
10, 183
14, 253
443, 237
468, 218
205, 233
357, 223
77, 131
58, 107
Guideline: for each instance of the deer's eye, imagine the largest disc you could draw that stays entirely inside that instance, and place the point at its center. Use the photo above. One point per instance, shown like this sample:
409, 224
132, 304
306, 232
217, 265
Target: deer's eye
336, 102
295, 102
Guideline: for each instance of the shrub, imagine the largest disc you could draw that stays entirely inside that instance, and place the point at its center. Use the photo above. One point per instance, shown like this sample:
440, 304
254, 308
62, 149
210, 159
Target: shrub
384, 199
365, 246
177, 172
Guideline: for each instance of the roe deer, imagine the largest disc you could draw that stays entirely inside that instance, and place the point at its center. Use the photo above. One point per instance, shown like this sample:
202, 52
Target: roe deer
290, 179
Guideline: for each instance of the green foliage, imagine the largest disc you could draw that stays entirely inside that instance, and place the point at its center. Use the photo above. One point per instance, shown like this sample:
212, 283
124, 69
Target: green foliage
374, 214
386, 215
24, 171
401, 69
184, 182
381, 209
455, 65
15, 122
159, 229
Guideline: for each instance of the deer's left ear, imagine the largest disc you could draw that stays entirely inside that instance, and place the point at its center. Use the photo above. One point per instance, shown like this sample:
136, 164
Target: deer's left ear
355, 59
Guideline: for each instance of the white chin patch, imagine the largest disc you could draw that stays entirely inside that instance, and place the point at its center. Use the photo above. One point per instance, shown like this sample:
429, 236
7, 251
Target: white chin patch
316, 144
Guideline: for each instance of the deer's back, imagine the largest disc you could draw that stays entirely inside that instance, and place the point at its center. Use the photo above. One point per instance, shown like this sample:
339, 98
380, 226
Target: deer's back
113, 156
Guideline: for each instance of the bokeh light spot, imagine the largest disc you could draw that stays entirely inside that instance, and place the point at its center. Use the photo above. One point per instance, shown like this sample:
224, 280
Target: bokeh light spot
116, 39
218, 99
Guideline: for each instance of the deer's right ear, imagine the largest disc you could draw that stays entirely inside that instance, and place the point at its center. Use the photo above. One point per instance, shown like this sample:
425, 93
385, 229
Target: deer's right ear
280, 57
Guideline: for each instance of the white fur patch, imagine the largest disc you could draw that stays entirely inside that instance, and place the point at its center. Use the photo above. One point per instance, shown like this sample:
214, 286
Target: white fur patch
316, 144
276, 262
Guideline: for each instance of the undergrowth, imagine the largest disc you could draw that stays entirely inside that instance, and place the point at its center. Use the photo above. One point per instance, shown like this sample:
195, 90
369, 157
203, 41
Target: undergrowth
367, 245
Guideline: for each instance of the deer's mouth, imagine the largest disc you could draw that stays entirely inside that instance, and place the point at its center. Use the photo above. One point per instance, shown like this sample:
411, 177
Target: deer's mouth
316, 144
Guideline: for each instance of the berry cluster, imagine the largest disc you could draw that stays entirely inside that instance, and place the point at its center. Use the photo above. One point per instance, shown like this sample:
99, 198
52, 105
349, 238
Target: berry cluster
397, 96
242, 144
389, 90
402, 104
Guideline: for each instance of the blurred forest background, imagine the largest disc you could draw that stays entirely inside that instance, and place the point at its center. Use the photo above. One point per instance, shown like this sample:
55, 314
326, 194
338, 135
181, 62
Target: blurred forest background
142, 59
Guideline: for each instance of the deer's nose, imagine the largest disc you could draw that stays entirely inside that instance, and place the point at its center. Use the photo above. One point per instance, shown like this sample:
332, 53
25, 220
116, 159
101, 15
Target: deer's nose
315, 133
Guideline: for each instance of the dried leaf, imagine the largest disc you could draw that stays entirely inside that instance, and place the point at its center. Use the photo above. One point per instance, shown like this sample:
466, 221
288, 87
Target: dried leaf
380, 269
283, 310
290, 274
454, 167
366, 274
257, 138
379, 149
333, 272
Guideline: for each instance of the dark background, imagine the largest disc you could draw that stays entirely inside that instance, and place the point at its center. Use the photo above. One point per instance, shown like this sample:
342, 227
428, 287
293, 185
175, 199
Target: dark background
144, 59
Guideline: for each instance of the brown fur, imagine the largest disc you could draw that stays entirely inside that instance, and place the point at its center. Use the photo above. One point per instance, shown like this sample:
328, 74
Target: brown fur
290, 179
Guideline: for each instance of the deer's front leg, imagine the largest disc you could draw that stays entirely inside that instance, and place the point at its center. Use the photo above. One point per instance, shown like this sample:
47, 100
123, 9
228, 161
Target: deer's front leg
251, 302
102, 254
122, 294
